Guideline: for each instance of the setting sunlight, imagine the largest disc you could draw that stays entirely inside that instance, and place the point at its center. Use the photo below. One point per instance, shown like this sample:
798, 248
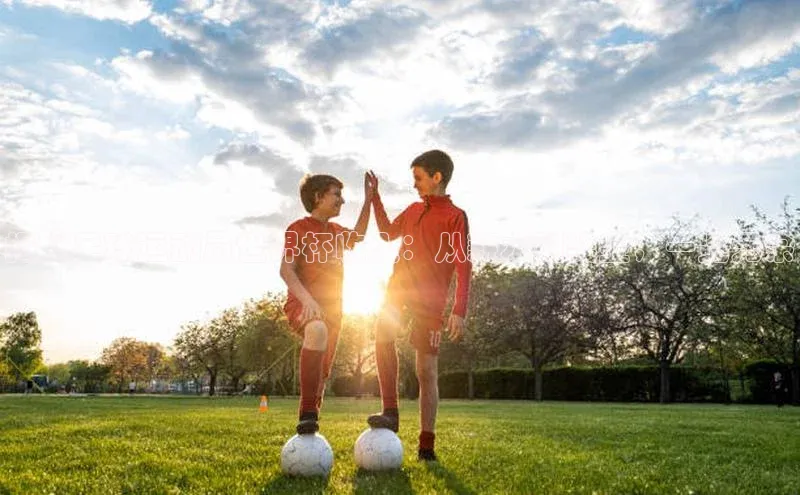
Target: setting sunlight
367, 270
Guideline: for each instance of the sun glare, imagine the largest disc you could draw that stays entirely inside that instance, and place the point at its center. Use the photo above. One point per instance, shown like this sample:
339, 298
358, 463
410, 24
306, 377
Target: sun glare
365, 278
363, 291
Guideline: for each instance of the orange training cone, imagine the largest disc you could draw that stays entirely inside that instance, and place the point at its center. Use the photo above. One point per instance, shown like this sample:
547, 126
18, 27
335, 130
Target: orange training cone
263, 407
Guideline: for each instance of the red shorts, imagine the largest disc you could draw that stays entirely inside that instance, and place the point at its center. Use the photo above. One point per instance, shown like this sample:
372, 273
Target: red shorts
426, 325
333, 320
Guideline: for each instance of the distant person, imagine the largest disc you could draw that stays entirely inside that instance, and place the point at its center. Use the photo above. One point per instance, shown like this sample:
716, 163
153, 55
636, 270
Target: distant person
131, 388
313, 271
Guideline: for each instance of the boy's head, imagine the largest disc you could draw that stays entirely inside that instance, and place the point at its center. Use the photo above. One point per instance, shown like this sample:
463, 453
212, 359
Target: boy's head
323, 193
432, 172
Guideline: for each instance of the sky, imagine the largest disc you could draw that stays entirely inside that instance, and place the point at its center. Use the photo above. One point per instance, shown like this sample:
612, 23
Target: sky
150, 152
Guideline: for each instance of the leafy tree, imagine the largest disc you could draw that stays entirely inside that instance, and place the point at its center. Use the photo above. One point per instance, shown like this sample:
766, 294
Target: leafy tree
88, 377
154, 362
764, 287
228, 329
58, 373
20, 338
202, 346
668, 285
607, 323
486, 321
127, 359
540, 315
187, 368
355, 354
266, 341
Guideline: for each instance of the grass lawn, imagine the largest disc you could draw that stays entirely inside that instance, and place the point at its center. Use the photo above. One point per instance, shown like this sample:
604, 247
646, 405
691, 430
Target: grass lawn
59, 445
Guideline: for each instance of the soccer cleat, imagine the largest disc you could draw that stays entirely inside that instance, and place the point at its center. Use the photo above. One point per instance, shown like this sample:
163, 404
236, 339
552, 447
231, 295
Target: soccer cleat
426, 455
309, 424
389, 421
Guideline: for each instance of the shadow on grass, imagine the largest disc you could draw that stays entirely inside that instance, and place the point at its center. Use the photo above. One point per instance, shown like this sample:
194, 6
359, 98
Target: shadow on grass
389, 482
295, 484
450, 480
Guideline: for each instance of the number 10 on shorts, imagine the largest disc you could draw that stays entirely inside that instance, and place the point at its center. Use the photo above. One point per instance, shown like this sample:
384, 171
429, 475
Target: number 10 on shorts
436, 338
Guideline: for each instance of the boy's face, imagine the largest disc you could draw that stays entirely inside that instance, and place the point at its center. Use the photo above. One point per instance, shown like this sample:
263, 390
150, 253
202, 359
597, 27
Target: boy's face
424, 183
331, 202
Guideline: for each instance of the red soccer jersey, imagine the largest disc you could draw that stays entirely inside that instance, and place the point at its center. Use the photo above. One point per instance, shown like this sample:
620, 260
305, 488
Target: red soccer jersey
317, 250
435, 243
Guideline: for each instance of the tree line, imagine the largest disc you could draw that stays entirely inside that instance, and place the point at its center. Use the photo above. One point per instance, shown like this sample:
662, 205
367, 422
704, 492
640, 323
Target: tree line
674, 297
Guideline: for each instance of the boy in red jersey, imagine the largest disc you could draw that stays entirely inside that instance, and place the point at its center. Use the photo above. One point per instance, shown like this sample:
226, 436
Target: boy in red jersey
313, 272
435, 244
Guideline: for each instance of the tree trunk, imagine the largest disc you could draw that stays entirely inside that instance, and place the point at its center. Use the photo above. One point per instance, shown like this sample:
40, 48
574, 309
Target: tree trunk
741, 383
727, 382
358, 378
537, 373
235, 379
212, 382
664, 394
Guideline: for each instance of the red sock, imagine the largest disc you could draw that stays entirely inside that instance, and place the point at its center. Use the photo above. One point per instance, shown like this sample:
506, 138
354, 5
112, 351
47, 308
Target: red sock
426, 439
310, 376
386, 356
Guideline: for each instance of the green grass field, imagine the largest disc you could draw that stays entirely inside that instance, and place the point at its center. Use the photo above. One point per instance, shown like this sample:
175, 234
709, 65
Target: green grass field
224, 445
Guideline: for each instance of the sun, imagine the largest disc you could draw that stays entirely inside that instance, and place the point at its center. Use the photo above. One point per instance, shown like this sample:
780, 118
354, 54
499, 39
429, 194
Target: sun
362, 291
366, 271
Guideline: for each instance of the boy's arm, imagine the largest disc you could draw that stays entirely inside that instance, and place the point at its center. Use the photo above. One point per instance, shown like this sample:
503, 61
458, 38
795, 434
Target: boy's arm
463, 264
380, 213
288, 272
311, 310
363, 218
389, 230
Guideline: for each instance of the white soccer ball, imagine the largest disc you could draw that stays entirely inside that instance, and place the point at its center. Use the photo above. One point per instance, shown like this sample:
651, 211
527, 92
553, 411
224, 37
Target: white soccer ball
307, 455
378, 449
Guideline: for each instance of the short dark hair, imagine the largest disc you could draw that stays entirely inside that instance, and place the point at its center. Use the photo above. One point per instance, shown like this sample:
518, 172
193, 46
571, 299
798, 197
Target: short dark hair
314, 184
435, 161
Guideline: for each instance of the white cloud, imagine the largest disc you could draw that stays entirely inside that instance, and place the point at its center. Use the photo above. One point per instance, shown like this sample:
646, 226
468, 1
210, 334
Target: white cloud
157, 77
35, 133
225, 11
604, 90
661, 17
129, 11
174, 167
774, 45
384, 32
255, 12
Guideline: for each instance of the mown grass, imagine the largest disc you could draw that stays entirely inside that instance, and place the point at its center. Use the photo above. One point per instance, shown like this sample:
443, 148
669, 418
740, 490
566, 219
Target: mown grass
224, 445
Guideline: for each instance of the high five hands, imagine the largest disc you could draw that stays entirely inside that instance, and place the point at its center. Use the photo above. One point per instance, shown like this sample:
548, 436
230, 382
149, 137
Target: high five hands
370, 184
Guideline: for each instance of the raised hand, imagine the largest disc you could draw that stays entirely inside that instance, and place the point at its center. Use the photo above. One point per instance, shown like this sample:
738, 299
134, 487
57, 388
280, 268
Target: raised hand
373, 180
369, 187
